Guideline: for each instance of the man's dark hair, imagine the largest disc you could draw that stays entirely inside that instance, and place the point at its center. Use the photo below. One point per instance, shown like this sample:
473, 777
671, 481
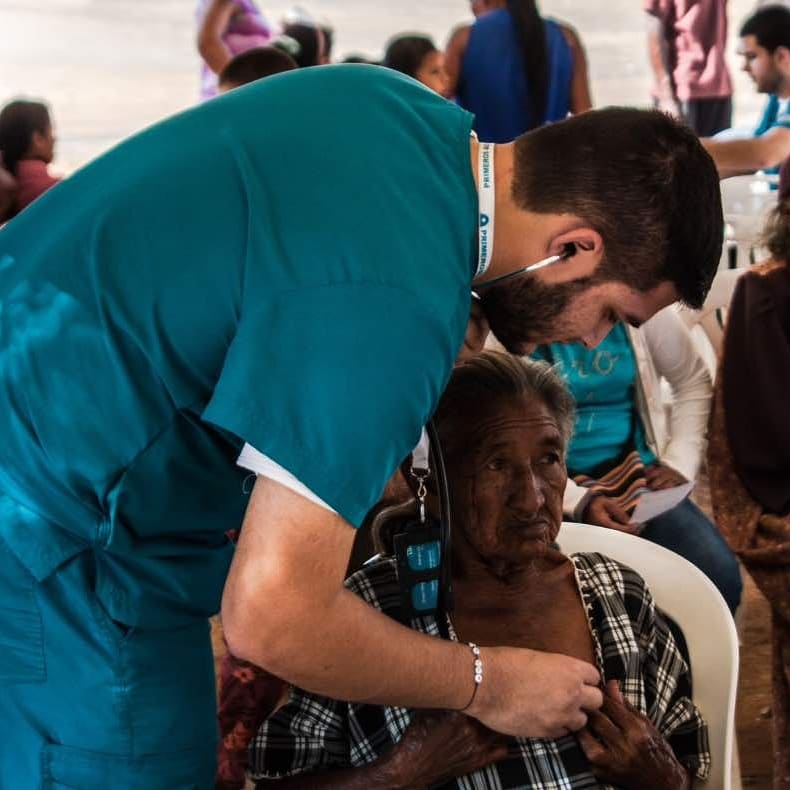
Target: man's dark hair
19, 120
641, 180
254, 64
405, 53
770, 25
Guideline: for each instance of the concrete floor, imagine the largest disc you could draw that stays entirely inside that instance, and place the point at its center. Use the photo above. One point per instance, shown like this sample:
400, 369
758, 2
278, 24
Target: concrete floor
753, 714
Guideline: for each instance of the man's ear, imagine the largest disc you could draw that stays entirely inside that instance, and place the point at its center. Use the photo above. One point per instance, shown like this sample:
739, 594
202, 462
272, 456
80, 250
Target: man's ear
586, 249
782, 57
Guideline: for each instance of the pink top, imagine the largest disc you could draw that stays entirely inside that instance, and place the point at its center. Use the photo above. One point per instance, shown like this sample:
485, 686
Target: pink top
33, 179
248, 28
696, 32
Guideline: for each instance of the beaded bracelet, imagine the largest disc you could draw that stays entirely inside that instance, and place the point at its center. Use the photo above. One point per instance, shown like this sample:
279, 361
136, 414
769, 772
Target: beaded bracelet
478, 674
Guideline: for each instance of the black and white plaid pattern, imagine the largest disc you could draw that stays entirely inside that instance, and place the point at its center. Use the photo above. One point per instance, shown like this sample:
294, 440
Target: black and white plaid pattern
634, 645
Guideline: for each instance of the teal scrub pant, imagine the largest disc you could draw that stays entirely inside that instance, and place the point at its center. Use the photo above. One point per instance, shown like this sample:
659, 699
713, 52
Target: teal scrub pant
86, 703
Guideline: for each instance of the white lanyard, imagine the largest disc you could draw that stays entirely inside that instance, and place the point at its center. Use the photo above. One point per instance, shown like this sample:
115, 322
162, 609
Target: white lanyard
420, 454
487, 200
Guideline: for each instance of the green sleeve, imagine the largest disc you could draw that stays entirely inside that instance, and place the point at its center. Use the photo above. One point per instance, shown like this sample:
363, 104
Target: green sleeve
334, 384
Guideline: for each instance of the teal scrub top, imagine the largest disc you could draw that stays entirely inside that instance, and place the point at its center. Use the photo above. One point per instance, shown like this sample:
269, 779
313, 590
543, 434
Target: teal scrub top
287, 265
775, 115
602, 381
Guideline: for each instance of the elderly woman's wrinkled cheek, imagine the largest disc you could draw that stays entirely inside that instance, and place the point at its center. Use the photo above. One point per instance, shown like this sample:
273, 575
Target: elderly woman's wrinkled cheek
484, 505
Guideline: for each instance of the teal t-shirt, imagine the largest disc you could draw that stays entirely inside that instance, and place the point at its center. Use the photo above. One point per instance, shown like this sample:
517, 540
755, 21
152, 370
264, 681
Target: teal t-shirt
775, 115
288, 265
602, 381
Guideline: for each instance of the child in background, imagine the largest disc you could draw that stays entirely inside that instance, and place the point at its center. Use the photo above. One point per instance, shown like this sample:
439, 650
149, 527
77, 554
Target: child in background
254, 64
27, 146
227, 28
417, 57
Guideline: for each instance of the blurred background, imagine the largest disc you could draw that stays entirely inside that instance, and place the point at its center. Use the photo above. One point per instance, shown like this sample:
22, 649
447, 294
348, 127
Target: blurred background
111, 67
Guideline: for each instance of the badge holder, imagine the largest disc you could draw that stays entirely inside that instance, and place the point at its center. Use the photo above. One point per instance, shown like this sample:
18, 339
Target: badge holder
422, 546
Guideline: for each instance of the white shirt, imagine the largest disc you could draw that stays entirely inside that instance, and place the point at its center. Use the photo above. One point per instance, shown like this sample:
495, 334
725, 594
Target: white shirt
261, 464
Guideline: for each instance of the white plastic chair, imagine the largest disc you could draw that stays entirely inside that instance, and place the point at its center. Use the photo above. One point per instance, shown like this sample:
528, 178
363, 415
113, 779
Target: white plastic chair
707, 325
747, 200
694, 603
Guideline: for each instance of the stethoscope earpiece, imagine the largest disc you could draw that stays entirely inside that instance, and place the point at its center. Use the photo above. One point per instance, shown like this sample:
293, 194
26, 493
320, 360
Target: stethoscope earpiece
569, 249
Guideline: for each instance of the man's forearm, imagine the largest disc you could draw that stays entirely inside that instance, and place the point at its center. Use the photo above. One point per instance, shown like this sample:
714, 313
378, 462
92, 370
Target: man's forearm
736, 157
360, 655
658, 54
288, 612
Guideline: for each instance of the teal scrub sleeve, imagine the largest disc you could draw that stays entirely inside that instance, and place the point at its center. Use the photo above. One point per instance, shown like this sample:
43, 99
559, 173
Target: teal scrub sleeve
334, 383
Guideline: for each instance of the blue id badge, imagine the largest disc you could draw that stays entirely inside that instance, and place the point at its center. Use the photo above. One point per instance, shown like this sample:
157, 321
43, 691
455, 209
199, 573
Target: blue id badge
419, 558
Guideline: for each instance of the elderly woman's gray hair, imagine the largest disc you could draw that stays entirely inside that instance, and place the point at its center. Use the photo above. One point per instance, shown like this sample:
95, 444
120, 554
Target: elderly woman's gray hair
495, 375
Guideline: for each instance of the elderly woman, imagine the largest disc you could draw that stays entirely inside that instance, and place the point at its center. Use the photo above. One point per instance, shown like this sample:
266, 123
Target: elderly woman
504, 424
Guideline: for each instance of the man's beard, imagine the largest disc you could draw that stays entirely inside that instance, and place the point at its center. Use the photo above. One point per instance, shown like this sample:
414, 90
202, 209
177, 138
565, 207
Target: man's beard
770, 83
529, 312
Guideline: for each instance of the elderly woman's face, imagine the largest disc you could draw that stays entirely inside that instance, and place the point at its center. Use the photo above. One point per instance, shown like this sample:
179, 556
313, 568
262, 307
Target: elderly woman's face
507, 478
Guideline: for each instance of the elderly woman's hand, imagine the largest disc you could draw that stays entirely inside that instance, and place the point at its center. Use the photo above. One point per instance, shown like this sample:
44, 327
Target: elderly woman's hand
625, 749
440, 745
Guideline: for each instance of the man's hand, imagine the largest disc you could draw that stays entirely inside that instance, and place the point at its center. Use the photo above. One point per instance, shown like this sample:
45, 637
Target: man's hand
626, 750
604, 511
660, 477
439, 746
535, 694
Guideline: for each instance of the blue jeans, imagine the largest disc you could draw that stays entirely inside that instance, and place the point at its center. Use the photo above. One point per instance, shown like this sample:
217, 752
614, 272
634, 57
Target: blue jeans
687, 531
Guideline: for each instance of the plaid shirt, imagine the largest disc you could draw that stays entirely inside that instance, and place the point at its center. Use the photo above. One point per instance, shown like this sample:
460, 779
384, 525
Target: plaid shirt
633, 645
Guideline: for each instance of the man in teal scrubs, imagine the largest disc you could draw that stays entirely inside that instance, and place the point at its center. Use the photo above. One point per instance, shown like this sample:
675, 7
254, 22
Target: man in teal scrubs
283, 274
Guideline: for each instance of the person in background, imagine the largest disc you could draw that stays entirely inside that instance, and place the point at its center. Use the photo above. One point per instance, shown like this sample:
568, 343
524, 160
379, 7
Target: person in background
254, 64
686, 45
358, 57
304, 42
7, 194
624, 444
227, 28
328, 32
417, 56
515, 70
27, 146
749, 448
765, 48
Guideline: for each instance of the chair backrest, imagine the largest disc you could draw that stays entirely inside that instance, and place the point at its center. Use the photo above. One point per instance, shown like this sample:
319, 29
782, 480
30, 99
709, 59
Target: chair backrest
694, 603
707, 325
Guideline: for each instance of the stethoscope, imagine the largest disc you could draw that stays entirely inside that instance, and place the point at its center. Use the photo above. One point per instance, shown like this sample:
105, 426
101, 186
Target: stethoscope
568, 251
